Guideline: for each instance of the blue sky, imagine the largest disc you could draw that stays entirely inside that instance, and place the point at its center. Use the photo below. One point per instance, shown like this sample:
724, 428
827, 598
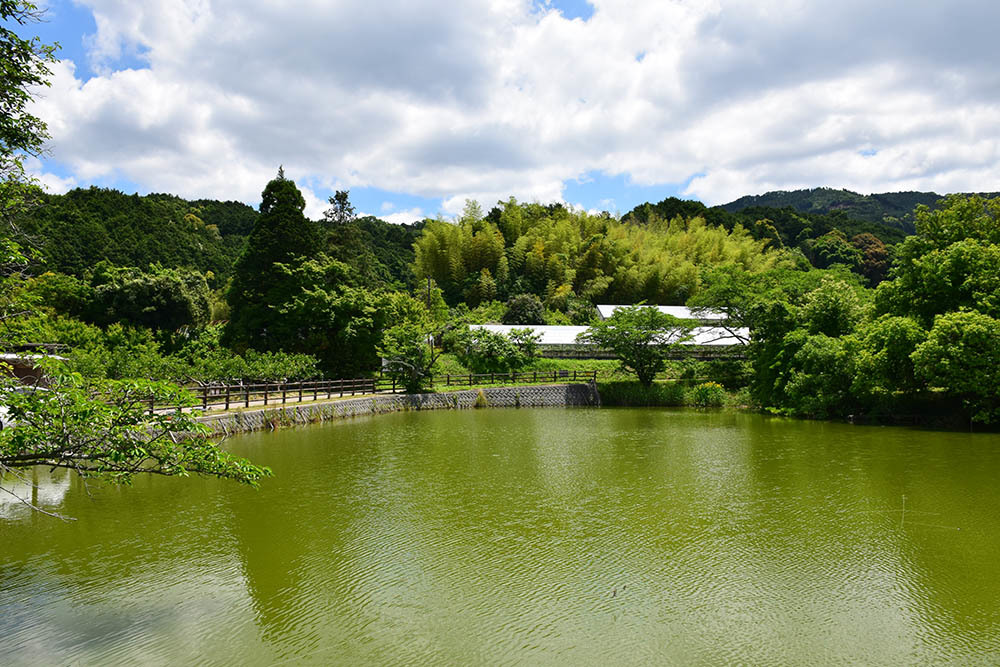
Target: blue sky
74, 27
416, 106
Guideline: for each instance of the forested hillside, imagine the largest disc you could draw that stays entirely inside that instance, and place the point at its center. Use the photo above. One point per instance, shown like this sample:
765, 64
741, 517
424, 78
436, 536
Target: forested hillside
894, 209
76, 231
823, 239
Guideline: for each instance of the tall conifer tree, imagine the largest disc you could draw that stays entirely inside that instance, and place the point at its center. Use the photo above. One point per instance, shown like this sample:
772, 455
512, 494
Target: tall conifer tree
282, 235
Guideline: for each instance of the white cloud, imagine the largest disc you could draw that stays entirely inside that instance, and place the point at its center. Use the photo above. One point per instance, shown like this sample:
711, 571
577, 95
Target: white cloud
406, 217
485, 100
50, 182
314, 205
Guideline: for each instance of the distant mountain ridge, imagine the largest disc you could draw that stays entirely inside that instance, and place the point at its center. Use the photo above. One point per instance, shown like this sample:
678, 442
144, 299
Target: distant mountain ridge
888, 207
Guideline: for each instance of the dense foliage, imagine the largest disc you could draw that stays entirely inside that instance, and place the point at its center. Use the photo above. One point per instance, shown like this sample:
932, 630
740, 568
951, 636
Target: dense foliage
890, 208
484, 351
642, 339
77, 230
820, 239
524, 309
561, 255
101, 428
823, 345
282, 236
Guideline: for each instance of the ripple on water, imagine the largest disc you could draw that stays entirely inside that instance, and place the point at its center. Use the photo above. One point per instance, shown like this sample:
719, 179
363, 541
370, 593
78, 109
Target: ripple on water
505, 537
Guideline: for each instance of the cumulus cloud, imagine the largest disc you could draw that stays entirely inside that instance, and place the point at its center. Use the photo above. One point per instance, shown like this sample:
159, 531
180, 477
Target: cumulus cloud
486, 99
405, 217
50, 182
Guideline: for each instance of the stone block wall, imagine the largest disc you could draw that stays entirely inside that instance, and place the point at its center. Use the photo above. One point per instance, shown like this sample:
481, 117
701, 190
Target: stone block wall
496, 397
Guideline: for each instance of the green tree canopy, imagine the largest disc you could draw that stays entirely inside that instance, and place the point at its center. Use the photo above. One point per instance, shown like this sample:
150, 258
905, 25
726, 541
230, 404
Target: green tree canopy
485, 351
641, 337
541, 250
409, 355
962, 356
281, 237
524, 309
102, 429
951, 263
24, 63
158, 298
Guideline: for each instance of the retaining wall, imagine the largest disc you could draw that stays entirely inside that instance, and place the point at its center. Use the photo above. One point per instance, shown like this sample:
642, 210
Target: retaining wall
496, 397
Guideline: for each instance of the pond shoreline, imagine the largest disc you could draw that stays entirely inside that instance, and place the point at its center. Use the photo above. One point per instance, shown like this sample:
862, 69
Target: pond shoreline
532, 396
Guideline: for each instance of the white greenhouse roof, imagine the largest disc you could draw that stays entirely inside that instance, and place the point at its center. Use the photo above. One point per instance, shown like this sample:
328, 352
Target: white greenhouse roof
681, 312
566, 335
551, 335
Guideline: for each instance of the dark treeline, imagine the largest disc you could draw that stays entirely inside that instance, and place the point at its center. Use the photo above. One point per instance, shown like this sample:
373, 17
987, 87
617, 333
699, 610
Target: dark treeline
76, 231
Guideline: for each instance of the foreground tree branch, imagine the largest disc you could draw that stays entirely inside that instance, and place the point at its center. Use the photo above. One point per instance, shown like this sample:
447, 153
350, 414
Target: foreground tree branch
103, 429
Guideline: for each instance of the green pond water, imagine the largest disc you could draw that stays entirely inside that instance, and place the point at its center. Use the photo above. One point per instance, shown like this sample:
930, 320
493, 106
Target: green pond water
584, 536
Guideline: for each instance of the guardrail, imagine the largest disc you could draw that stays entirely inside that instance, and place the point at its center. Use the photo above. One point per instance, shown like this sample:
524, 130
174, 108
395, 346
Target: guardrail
228, 396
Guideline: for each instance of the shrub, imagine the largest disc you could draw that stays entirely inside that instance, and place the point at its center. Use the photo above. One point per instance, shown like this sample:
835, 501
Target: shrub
524, 309
708, 395
483, 351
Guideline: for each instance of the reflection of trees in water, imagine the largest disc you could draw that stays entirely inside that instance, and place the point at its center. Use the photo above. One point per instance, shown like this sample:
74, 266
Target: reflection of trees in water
931, 572
293, 555
38, 486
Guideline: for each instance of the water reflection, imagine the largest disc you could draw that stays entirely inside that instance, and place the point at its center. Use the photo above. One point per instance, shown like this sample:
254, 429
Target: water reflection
631, 536
38, 486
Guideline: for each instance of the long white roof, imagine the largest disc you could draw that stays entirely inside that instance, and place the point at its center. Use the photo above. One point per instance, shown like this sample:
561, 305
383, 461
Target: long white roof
681, 312
566, 335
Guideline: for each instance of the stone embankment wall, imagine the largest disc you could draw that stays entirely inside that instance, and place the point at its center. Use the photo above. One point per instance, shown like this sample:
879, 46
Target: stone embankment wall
308, 413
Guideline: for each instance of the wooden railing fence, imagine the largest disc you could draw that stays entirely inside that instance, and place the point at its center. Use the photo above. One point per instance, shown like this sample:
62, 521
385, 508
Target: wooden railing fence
227, 396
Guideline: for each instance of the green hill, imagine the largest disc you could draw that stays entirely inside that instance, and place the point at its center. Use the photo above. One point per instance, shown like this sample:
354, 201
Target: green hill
891, 208
791, 225
75, 231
